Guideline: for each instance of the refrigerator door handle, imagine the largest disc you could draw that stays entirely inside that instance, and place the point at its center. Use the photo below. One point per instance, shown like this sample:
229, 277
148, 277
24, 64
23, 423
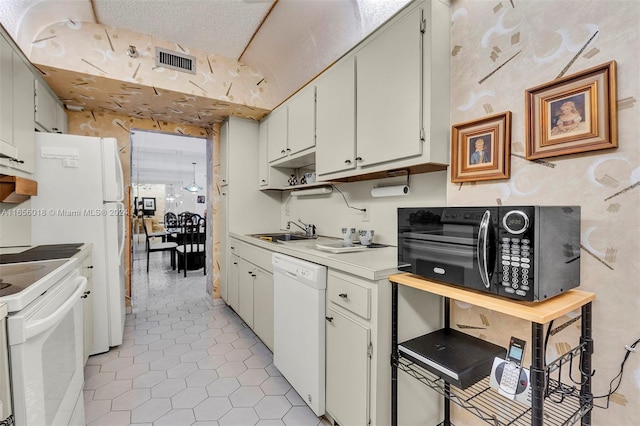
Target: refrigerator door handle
121, 209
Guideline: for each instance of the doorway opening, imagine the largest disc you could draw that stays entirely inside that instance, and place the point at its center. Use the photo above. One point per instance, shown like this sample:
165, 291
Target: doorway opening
169, 179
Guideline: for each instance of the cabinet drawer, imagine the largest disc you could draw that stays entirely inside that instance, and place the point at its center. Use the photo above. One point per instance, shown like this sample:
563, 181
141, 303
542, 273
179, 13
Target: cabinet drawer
350, 295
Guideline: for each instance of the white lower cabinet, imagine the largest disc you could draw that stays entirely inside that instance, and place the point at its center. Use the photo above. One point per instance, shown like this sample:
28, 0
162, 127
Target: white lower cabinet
348, 369
245, 291
263, 306
352, 350
232, 282
250, 288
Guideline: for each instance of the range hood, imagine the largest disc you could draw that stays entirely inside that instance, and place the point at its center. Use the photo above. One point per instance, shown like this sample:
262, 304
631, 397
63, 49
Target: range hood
15, 189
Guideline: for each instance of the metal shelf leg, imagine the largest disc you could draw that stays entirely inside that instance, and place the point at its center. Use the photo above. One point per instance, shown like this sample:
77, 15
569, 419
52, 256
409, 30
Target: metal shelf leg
394, 354
586, 397
537, 374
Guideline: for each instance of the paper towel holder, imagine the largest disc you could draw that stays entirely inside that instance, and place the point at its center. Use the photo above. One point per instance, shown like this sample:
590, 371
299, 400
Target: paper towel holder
394, 190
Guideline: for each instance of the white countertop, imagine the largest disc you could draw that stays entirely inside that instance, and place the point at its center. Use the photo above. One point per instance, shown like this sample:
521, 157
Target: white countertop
372, 264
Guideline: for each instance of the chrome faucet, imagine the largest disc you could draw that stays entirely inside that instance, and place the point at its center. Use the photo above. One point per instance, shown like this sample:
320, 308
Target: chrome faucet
309, 228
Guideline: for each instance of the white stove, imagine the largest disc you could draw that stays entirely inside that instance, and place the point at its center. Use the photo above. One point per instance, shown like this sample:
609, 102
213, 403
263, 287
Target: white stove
21, 283
44, 335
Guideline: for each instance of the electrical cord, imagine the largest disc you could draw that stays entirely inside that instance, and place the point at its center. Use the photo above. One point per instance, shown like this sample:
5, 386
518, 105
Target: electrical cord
345, 200
612, 390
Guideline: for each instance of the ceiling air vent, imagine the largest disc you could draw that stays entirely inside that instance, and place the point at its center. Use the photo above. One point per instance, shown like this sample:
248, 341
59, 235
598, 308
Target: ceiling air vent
175, 61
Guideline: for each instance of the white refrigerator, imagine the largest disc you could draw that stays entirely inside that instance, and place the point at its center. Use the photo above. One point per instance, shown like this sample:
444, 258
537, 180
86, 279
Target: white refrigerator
80, 193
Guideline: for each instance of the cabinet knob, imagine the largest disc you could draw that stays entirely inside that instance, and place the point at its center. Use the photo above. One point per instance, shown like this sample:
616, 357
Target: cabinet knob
263, 181
87, 292
343, 295
84, 296
347, 161
90, 267
288, 149
235, 263
358, 158
330, 319
283, 151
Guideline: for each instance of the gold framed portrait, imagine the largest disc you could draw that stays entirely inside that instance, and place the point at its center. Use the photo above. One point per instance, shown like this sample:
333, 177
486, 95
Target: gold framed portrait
480, 149
576, 113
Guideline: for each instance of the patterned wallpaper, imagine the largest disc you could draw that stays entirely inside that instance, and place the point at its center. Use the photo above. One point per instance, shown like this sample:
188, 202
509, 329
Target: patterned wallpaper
86, 65
499, 50
116, 126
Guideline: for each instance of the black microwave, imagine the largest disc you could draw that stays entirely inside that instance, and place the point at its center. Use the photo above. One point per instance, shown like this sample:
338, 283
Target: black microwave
528, 253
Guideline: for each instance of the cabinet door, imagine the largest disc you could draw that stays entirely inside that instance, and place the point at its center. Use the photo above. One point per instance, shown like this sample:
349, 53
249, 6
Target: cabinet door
224, 244
224, 157
263, 161
263, 306
46, 108
23, 124
302, 121
336, 119
233, 278
86, 270
6, 92
245, 291
348, 369
389, 87
277, 134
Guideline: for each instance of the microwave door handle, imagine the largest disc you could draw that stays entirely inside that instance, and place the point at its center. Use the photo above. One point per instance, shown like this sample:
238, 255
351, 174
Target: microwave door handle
482, 248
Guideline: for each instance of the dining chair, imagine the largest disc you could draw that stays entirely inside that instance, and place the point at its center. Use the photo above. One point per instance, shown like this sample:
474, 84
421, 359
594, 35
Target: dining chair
171, 226
192, 249
153, 246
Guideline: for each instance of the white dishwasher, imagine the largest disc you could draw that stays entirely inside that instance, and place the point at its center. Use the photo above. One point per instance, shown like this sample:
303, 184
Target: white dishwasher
299, 290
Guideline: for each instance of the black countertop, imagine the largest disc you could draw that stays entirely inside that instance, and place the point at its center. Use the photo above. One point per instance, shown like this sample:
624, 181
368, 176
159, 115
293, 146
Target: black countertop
45, 252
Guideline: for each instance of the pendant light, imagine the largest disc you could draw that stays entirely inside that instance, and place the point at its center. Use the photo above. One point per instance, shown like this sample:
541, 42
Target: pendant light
194, 186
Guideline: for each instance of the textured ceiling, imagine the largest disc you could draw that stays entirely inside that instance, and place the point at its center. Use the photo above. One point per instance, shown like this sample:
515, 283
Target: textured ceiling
223, 27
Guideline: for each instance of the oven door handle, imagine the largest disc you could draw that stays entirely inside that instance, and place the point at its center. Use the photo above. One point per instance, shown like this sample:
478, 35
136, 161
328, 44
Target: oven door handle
36, 327
482, 248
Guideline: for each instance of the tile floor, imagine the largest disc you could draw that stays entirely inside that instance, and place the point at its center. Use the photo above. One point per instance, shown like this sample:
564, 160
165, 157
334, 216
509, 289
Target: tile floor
187, 360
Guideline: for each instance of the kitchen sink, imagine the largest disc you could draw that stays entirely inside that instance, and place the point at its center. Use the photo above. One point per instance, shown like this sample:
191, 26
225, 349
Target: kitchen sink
284, 236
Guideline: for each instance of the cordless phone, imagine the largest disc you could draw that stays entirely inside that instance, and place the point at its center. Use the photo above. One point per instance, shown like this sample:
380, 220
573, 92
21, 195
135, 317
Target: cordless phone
511, 372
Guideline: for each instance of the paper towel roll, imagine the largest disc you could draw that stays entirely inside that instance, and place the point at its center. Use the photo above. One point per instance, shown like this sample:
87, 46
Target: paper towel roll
390, 191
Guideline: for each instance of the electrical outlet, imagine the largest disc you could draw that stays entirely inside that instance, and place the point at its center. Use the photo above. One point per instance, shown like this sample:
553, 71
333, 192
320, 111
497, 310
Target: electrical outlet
366, 214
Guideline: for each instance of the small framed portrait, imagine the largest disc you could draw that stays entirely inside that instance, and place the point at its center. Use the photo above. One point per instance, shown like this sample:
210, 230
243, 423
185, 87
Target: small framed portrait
577, 113
148, 204
481, 149
200, 199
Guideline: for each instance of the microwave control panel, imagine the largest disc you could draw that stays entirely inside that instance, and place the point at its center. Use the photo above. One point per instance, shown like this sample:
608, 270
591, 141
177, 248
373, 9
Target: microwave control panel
515, 236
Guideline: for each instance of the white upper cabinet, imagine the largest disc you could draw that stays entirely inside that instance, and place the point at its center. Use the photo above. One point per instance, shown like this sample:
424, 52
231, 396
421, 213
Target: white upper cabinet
401, 107
23, 103
224, 154
17, 137
291, 130
277, 134
389, 100
336, 118
6, 98
302, 121
49, 113
263, 162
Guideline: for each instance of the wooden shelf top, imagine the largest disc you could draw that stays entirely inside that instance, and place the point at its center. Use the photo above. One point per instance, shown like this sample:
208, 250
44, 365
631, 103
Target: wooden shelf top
539, 312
